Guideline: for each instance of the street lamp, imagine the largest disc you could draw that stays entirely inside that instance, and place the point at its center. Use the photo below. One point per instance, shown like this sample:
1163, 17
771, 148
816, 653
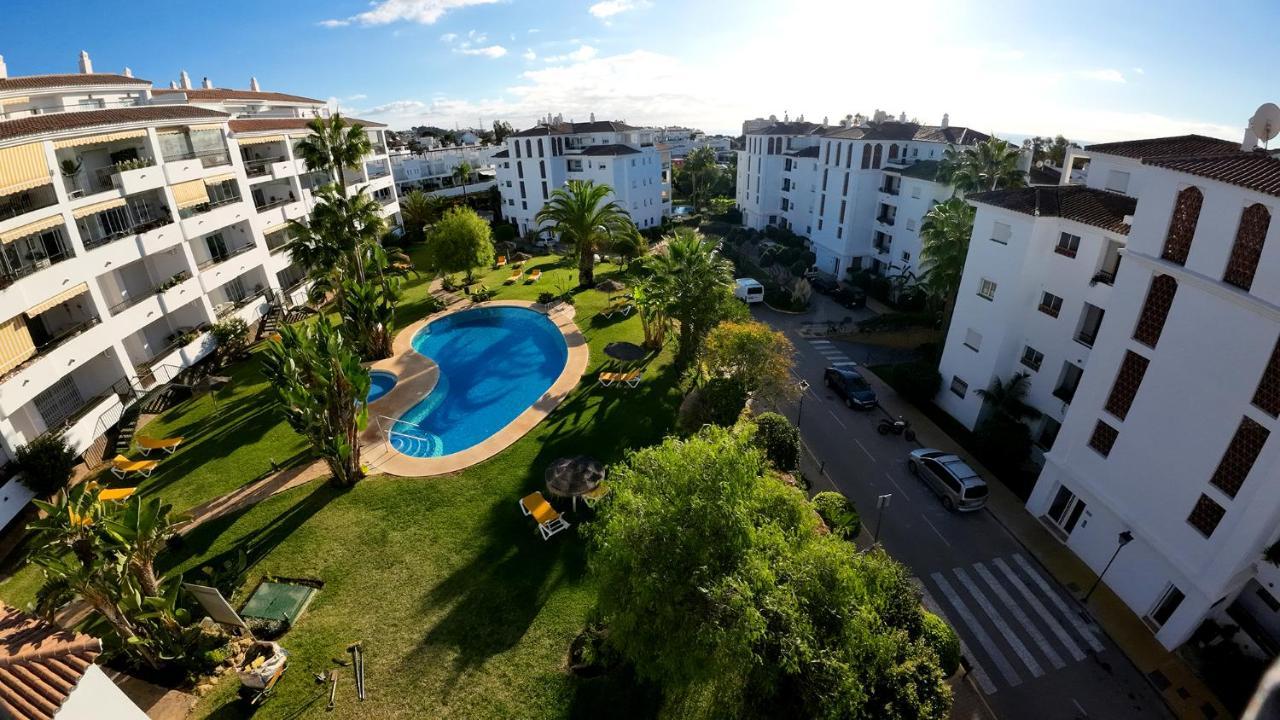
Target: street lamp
804, 387
1124, 539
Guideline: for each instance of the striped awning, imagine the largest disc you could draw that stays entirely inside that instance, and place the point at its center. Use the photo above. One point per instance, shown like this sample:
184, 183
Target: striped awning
15, 343
22, 168
92, 139
190, 193
31, 229
198, 128
56, 300
14, 100
259, 140
223, 177
105, 205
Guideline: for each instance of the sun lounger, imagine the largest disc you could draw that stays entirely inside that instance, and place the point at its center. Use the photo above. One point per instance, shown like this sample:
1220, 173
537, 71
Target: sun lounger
116, 494
533, 276
122, 466
502, 260
630, 379
516, 275
619, 307
169, 445
596, 495
549, 521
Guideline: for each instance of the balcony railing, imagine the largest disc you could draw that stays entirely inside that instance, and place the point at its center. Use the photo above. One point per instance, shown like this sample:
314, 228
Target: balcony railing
202, 208
217, 260
129, 302
273, 203
136, 229
881, 249
278, 241
10, 275
385, 201
261, 166
885, 219
1064, 251
12, 206
1087, 337
1106, 277
208, 158
52, 344
100, 105
889, 190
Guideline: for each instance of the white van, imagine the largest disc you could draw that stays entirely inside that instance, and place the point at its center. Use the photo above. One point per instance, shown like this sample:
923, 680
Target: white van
748, 290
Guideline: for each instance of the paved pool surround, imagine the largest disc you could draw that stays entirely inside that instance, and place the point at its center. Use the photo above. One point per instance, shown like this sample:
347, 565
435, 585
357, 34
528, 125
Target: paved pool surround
417, 378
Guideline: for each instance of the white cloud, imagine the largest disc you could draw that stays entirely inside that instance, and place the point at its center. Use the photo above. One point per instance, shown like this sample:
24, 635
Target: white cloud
534, 31
474, 44
1139, 71
530, 55
449, 37
582, 54
423, 12
396, 107
357, 97
1103, 75
608, 8
489, 51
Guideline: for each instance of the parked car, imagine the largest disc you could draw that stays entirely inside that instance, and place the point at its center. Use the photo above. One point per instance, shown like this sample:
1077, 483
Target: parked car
950, 478
748, 290
851, 387
824, 284
850, 297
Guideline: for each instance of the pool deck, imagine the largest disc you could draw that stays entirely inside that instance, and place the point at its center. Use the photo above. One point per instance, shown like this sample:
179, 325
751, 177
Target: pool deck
417, 376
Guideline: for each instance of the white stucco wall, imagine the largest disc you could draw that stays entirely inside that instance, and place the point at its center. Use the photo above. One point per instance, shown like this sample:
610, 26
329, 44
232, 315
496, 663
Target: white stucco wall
97, 698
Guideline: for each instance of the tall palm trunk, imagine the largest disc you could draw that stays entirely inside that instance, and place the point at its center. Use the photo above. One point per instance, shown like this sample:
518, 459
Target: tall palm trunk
587, 266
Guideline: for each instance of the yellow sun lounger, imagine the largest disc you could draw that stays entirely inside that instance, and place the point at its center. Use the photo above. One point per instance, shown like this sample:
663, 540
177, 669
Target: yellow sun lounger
515, 275
549, 521
502, 260
533, 276
146, 444
596, 495
618, 307
117, 494
630, 379
122, 466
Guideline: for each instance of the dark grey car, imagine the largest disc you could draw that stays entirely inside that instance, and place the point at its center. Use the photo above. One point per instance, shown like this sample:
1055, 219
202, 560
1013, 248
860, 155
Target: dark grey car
950, 478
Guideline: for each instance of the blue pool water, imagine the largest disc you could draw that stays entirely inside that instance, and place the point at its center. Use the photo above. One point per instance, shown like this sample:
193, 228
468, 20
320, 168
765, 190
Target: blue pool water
381, 383
494, 363
682, 210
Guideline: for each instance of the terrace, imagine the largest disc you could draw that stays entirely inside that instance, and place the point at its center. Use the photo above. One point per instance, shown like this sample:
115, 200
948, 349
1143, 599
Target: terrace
94, 164
106, 222
31, 248
199, 142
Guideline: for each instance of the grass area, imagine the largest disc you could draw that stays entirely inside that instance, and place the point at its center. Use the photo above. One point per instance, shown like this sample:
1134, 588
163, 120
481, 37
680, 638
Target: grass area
463, 609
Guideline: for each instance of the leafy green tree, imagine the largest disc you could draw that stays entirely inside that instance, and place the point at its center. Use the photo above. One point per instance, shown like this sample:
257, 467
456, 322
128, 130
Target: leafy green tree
753, 355
700, 165
651, 299
232, 338
1009, 398
988, 165
420, 211
46, 463
944, 247
629, 245
322, 388
582, 214
698, 285
142, 528
839, 514
461, 242
462, 175
716, 585
779, 440
333, 146
501, 131
944, 641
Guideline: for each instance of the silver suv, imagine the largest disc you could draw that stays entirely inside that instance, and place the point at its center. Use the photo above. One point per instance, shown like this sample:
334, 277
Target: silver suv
950, 478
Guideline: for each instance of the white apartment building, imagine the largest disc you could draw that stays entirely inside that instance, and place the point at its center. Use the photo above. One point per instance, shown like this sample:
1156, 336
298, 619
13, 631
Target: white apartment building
681, 141
432, 171
542, 158
1146, 305
132, 219
857, 190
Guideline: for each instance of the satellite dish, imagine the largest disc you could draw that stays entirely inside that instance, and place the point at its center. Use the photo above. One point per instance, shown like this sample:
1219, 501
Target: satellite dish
1265, 123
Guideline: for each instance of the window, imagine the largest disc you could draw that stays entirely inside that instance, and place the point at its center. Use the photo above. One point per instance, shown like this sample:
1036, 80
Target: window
520, 170
1048, 433
1090, 324
973, 340
1165, 607
842, 208
1068, 245
1103, 438
1050, 304
1032, 358
522, 195
1182, 226
911, 224
1128, 380
542, 164
875, 159
915, 191
1117, 181
866, 156
544, 189
1068, 381
1267, 396
1155, 310
1247, 249
986, 289
1205, 516
959, 387
906, 256
1001, 232
1238, 460
845, 191
824, 179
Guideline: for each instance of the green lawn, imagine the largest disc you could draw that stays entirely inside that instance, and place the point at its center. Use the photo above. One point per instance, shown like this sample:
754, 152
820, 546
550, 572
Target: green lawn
463, 609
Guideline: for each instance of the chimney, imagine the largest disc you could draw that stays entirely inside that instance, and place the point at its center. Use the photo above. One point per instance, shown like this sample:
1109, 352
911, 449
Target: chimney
253, 84
946, 121
593, 117
4, 71
86, 65
824, 120
184, 80
128, 72
206, 83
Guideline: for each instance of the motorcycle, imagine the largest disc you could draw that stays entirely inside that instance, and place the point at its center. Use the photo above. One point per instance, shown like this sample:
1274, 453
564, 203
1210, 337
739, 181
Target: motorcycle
896, 427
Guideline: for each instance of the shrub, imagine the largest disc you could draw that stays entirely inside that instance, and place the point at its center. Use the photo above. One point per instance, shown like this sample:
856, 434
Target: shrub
1002, 442
719, 402
45, 464
943, 639
504, 233
545, 297
232, 336
449, 282
432, 304
480, 293
918, 381
779, 440
839, 513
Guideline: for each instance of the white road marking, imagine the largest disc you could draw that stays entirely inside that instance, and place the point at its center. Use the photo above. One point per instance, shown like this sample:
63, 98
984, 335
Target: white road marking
837, 419
1063, 636
980, 633
895, 484
975, 668
1078, 707
865, 450
844, 363
1085, 631
820, 342
935, 530
998, 620
1014, 609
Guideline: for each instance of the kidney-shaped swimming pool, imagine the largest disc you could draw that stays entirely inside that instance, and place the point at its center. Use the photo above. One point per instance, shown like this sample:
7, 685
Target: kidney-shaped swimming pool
494, 363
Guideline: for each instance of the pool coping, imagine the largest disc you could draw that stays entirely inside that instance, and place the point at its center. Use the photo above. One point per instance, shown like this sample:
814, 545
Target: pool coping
417, 376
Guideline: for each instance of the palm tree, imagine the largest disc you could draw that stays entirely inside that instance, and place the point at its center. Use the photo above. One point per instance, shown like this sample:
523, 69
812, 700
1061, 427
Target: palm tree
462, 174
420, 211
989, 165
333, 146
944, 245
696, 281
581, 213
700, 163
1010, 398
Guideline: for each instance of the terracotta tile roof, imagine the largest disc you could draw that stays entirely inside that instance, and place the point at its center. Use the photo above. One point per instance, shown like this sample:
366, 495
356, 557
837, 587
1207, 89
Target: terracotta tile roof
570, 128
1099, 208
795, 127
43, 82
40, 664
220, 94
809, 152
1044, 175
901, 131
248, 125
1253, 170
919, 170
610, 150
1158, 147
97, 118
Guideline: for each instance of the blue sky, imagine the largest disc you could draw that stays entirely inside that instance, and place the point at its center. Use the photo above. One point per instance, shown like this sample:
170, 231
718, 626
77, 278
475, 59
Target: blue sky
1091, 69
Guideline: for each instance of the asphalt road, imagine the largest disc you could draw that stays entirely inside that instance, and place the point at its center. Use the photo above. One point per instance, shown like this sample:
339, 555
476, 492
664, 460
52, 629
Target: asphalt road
1033, 654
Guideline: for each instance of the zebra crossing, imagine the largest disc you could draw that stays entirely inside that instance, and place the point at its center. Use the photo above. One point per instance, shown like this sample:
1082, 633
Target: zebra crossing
835, 357
1023, 628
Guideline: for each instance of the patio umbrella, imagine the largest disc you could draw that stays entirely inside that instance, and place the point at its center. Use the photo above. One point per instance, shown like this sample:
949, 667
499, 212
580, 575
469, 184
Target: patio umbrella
572, 476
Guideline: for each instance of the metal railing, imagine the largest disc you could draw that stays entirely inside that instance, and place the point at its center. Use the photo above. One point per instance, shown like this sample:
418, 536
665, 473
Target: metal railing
260, 166
52, 344
273, 203
136, 229
885, 219
889, 190
1106, 277
9, 276
217, 260
1064, 393
1087, 338
207, 158
57, 110
394, 422
126, 303
202, 208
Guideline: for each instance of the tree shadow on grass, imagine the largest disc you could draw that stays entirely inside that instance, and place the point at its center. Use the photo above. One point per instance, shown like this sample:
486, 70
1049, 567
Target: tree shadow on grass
617, 694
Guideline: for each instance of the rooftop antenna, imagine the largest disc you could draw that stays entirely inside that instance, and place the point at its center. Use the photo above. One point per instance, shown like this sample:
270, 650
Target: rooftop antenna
1265, 123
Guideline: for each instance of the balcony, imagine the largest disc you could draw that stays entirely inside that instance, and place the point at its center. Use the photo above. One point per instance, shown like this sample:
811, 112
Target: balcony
202, 208
29, 254
21, 203
1105, 277
261, 167
274, 202
207, 158
885, 220
128, 302
221, 257
47, 347
1065, 393
137, 215
889, 189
